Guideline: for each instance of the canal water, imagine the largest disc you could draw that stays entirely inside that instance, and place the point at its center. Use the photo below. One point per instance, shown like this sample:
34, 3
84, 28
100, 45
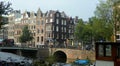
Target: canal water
61, 64
68, 64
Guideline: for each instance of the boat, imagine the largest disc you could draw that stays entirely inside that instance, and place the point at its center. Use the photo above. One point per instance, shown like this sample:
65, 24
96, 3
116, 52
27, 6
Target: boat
81, 62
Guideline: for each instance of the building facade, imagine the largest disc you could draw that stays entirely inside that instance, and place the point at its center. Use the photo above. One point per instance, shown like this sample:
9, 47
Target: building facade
3, 29
52, 28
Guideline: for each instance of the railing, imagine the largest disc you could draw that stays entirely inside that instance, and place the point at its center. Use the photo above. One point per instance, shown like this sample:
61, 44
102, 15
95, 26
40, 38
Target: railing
47, 46
16, 46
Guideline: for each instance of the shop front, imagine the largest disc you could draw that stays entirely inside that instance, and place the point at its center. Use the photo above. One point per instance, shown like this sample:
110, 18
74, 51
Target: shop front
107, 54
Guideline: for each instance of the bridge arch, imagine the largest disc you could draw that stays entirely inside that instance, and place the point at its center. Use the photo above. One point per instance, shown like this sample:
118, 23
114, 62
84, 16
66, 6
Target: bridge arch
60, 56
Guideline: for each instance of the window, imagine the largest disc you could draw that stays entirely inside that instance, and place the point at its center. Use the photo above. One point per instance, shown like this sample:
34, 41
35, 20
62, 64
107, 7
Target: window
42, 31
65, 36
34, 27
57, 21
57, 36
71, 21
51, 15
69, 31
64, 22
104, 50
64, 29
117, 36
108, 50
57, 14
63, 15
56, 28
37, 39
48, 28
42, 39
62, 36
48, 35
38, 22
46, 21
53, 28
38, 31
100, 51
51, 20
53, 35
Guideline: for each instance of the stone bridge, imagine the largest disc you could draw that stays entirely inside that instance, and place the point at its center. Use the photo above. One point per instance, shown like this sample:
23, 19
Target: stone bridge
60, 54
69, 55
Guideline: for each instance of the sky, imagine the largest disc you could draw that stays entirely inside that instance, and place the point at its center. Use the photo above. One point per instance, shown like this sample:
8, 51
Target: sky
82, 8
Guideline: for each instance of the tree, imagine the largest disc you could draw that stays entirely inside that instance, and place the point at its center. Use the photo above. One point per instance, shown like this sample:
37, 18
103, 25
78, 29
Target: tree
108, 11
4, 10
101, 26
26, 35
116, 18
95, 29
101, 30
83, 32
104, 10
78, 30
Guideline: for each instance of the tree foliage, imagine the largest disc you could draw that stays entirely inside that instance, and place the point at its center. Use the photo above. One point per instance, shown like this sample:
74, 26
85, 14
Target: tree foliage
102, 25
93, 30
106, 11
116, 15
79, 28
83, 31
101, 30
4, 10
26, 35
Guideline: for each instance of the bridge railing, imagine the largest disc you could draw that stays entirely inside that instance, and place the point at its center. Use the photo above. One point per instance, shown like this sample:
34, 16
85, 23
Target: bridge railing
75, 47
46, 46
19, 46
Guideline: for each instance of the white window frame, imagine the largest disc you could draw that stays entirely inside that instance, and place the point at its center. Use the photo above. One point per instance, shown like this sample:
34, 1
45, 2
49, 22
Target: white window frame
51, 20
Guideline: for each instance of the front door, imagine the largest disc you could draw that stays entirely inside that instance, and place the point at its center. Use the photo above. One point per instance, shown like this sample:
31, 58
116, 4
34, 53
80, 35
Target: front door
118, 56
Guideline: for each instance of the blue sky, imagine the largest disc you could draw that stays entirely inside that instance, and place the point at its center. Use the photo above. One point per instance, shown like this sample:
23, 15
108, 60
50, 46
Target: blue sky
81, 8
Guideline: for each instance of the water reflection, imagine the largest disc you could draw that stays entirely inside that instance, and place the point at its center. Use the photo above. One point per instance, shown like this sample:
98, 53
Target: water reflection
61, 64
